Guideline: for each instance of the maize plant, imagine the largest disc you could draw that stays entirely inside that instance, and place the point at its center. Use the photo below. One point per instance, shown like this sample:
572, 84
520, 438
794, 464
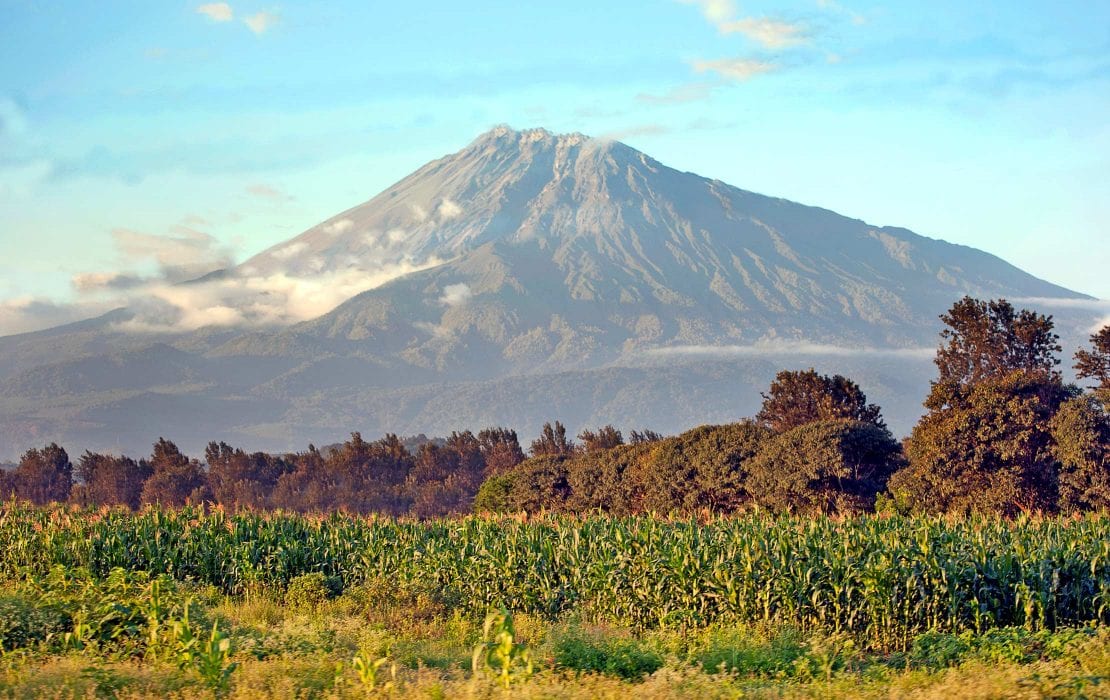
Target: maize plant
883, 580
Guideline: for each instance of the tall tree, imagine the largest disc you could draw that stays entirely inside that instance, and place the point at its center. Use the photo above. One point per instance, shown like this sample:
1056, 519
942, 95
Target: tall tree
989, 339
985, 443
110, 480
238, 479
175, 480
553, 442
800, 397
606, 438
1081, 431
500, 450
988, 448
1095, 363
44, 476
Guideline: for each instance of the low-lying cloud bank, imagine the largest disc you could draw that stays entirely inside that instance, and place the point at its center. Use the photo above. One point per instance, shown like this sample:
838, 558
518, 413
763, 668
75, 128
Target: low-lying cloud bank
776, 349
221, 299
1098, 307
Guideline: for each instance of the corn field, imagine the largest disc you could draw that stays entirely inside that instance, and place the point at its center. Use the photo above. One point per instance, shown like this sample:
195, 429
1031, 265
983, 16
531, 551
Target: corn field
884, 580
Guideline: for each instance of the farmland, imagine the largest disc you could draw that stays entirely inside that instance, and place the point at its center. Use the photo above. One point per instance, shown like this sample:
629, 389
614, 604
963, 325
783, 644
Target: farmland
202, 602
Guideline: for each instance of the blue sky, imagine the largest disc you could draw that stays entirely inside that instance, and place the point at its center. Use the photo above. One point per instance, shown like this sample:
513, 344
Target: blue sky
145, 136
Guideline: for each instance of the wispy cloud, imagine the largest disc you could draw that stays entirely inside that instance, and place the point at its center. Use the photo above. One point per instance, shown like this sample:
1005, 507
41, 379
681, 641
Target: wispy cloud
261, 22
768, 32
93, 282
217, 11
735, 69
182, 254
264, 191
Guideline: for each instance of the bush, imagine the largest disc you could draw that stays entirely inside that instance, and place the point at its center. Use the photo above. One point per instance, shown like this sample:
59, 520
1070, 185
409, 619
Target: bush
493, 494
613, 656
24, 624
310, 590
742, 652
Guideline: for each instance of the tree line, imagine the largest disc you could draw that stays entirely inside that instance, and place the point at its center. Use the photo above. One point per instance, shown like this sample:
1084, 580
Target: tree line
1002, 433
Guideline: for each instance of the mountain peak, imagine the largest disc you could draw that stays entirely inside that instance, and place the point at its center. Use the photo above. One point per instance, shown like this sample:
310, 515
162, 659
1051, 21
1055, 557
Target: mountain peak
503, 134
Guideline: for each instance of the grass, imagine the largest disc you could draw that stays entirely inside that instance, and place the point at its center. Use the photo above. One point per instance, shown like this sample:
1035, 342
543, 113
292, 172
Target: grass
307, 650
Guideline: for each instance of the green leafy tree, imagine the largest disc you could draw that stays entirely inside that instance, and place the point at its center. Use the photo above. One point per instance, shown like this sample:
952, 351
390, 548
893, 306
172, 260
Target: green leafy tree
706, 467
826, 467
990, 339
988, 448
540, 483
985, 443
799, 397
1095, 363
1081, 436
607, 479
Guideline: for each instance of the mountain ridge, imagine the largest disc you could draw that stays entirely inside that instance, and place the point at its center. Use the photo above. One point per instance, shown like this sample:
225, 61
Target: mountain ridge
527, 257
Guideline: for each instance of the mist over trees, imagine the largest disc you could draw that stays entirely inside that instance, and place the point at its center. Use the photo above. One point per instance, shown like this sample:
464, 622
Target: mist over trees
1003, 434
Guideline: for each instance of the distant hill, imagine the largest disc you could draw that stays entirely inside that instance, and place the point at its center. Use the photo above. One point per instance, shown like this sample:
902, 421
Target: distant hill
555, 276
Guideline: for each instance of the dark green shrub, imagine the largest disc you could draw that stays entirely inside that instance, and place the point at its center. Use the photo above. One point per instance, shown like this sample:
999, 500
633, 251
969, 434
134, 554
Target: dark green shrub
24, 624
614, 656
493, 494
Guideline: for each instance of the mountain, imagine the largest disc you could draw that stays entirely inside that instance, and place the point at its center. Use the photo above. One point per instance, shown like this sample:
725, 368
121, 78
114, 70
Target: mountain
540, 276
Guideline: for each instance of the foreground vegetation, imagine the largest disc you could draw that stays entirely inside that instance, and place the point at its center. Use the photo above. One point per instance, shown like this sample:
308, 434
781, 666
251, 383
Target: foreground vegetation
115, 604
807, 552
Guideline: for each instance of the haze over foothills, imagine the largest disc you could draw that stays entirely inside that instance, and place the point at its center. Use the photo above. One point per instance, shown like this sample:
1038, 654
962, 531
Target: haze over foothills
280, 223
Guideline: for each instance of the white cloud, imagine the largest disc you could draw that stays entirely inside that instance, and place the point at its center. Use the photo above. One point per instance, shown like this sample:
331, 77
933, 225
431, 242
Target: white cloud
183, 254
716, 11
783, 348
290, 251
448, 210
768, 33
419, 213
455, 294
337, 227
396, 235
93, 282
260, 22
254, 300
738, 69
217, 11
